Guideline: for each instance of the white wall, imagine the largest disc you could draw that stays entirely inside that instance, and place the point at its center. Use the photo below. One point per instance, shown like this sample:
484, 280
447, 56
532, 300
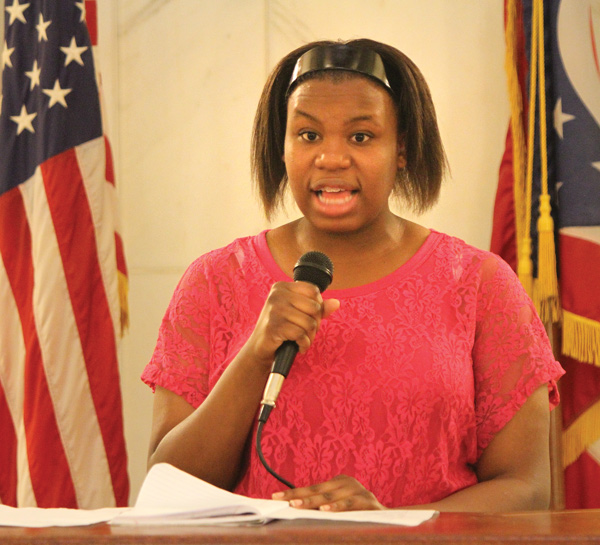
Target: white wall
182, 78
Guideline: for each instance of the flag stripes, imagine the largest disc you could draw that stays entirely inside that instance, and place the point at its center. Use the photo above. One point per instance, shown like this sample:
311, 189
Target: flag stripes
42, 436
94, 321
60, 292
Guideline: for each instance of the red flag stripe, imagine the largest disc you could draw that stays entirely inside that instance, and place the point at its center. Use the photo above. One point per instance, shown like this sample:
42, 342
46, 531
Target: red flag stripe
504, 236
8, 454
110, 170
76, 235
42, 434
581, 483
580, 263
10, 409
91, 19
12, 361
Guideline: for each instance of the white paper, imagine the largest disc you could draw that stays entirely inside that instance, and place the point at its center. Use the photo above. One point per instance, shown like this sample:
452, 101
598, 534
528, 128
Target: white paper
171, 496
402, 517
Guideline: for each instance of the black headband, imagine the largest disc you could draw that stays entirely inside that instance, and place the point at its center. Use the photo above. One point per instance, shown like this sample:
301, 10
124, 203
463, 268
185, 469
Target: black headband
340, 57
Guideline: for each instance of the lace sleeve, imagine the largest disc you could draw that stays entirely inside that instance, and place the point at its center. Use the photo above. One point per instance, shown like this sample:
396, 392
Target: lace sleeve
180, 359
512, 354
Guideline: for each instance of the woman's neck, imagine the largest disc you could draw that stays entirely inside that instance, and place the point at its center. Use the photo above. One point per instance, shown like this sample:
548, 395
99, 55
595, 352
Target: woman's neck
359, 257
371, 240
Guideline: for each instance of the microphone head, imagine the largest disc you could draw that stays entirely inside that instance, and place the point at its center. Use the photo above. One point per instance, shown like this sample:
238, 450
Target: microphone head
316, 268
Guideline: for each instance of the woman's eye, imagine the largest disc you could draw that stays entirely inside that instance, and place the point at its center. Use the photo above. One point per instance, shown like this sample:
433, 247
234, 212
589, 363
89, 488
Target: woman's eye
360, 137
309, 136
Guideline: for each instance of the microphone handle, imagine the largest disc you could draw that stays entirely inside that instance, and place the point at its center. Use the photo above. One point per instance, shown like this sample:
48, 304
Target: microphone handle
284, 357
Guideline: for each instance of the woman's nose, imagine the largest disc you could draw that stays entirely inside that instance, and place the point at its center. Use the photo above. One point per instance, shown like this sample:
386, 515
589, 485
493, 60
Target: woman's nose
332, 157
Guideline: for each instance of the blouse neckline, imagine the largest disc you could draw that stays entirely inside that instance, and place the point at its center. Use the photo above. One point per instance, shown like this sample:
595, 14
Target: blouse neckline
422, 254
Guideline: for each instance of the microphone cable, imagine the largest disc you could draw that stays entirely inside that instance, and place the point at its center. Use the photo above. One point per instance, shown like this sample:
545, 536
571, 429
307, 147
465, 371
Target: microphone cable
264, 415
316, 268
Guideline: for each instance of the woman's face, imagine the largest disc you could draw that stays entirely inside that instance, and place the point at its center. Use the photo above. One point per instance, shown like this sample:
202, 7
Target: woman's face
342, 152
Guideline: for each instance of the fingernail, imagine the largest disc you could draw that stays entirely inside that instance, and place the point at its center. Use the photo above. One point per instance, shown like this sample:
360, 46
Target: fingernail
277, 495
325, 508
295, 503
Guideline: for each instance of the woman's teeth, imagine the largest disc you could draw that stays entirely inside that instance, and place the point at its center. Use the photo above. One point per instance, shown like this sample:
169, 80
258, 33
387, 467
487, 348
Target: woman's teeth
334, 196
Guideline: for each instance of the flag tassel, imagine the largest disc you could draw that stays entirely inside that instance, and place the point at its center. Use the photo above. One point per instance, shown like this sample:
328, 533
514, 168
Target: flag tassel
524, 261
546, 284
546, 287
525, 265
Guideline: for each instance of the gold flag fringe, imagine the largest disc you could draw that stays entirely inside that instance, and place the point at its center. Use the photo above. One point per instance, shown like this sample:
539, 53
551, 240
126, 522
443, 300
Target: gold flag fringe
124, 301
581, 338
581, 434
581, 341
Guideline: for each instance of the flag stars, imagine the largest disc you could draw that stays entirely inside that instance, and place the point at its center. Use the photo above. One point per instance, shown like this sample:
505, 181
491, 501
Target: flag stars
57, 95
81, 6
41, 27
560, 118
23, 120
6, 53
73, 52
34, 75
16, 12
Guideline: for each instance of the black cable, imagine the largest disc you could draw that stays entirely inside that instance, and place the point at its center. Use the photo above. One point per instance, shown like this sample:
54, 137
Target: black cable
316, 268
262, 458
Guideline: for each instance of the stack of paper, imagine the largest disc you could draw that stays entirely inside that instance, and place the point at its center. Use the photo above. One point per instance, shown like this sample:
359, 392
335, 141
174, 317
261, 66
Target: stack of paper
171, 496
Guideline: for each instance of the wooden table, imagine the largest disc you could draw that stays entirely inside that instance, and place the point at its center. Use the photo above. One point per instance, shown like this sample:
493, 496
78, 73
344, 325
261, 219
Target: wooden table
551, 528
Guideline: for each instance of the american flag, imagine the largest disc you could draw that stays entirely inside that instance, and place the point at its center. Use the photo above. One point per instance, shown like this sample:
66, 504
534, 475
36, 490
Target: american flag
572, 66
61, 267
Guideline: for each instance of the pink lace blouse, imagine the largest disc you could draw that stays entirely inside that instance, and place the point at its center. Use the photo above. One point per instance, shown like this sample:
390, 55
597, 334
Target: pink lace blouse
405, 384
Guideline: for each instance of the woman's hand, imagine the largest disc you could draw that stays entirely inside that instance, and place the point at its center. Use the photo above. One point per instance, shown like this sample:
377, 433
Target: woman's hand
293, 311
342, 493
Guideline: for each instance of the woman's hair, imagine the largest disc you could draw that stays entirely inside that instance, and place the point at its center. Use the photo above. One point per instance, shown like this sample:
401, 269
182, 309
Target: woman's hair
426, 163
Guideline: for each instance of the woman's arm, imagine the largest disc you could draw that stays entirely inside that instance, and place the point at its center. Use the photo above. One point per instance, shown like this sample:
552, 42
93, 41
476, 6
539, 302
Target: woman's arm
513, 472
209, 441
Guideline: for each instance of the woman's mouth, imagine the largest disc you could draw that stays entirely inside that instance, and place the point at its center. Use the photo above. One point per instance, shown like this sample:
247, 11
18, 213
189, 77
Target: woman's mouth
334, 195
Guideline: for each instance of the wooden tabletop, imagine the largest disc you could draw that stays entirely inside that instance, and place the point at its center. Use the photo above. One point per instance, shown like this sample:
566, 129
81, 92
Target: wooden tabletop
552, 528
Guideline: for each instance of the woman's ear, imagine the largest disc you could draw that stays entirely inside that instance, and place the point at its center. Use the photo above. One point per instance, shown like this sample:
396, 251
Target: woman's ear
401, 153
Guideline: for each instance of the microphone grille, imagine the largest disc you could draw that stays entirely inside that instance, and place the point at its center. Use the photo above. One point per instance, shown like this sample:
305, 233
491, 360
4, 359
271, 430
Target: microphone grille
316, 268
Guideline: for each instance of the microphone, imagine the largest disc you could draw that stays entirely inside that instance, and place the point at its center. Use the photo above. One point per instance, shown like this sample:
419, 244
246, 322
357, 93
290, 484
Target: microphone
316, 268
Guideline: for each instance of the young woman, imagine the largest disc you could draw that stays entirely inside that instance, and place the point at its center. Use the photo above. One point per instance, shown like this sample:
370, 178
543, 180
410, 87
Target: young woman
424, 375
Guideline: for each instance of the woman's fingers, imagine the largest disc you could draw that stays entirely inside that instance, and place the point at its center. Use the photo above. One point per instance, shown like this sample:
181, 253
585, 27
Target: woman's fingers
292, 312
342, 493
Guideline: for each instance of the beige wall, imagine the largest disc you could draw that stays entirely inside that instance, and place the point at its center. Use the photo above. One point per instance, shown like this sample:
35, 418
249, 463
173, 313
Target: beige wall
181, 81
